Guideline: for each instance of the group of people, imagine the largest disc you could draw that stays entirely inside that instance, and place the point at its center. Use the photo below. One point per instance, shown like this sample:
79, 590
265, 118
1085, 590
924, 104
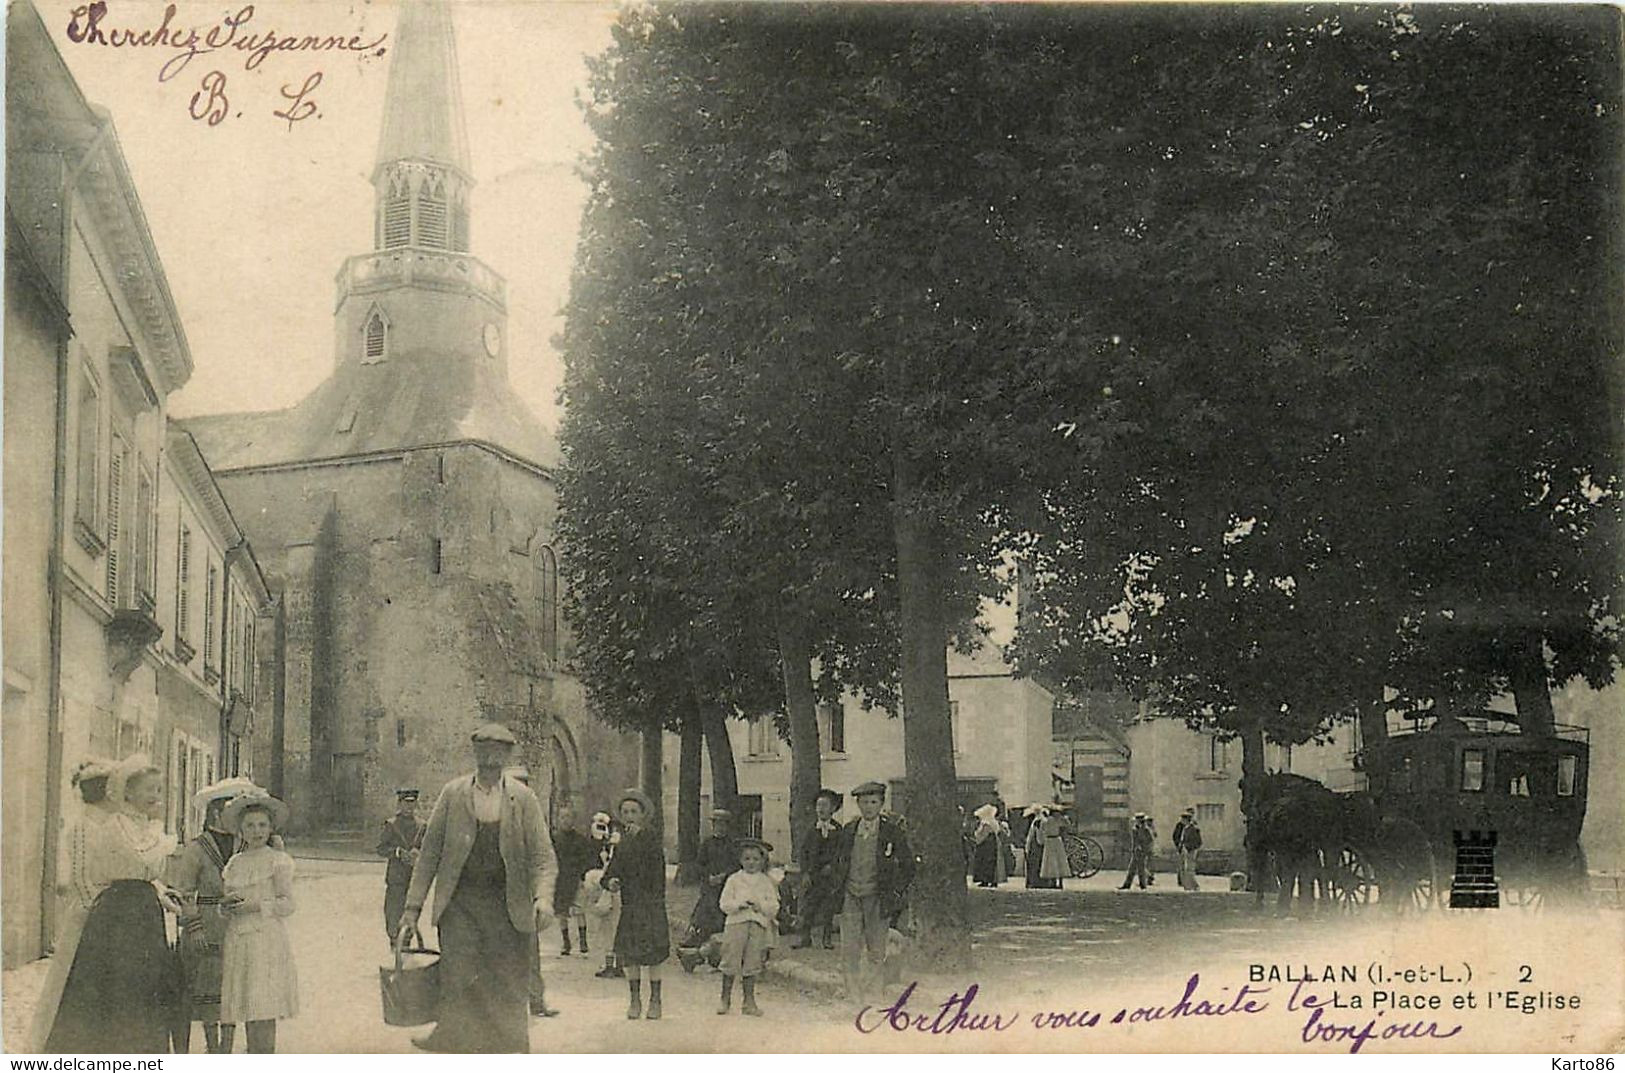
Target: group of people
116, 982
855, 879
1142, 842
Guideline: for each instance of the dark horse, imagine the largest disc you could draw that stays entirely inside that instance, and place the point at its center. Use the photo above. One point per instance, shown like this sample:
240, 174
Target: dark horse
1303, 828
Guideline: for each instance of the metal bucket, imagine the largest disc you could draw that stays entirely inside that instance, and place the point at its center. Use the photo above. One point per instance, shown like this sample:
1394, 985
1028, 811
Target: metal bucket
411, 993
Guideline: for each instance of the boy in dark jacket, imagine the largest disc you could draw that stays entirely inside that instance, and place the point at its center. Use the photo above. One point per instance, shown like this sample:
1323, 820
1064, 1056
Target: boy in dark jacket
873, 870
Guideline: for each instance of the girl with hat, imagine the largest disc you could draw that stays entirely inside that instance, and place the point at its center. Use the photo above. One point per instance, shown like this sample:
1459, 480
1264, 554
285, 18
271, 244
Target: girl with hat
195, 873
750, 898
113, 985
258, 983
638, 873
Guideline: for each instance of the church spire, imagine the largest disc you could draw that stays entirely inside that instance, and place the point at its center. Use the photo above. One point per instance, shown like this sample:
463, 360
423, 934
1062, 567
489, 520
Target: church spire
422, 176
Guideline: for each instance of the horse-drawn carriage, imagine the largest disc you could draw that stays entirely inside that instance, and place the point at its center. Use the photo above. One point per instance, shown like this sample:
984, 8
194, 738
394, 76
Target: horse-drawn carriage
1473, 779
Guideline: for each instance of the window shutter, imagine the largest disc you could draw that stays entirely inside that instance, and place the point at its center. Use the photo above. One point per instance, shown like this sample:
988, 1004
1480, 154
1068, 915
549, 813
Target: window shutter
210, 618
183, 586
397, 216
432, 215
145, 519
115, 490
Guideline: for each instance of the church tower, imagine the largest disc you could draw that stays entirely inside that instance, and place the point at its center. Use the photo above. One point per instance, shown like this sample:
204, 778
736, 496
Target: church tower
404, 510
420, 288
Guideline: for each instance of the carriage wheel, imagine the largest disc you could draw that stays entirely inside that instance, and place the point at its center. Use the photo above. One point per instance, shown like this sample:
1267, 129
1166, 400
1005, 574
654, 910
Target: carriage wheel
1409, 876
1353, 880
1084, 856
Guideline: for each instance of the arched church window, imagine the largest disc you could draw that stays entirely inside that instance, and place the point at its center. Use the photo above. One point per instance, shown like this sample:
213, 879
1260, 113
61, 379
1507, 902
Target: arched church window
432, 214
548, 563
375, 338
397, 215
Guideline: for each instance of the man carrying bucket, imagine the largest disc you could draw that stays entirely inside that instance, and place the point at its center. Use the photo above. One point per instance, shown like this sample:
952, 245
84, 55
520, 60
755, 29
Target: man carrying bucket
489, 856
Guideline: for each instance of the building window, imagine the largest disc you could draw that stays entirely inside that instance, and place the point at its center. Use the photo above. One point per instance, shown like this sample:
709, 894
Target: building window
248, 656
88, 456
434, 556
400, 733
549, 565
762, 738
1218, 755
211, 618
115, 495
1568, 768
183, 593
375, 339
432, 215
1210, 814
832, 728
397, 215
145, 521
1472, 770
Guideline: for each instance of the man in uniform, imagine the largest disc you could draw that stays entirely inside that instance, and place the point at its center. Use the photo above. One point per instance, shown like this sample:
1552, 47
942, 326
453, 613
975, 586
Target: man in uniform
399, 843
490, 858
874, 868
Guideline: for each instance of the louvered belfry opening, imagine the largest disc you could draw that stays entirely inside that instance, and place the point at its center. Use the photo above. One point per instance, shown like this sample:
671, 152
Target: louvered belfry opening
432, 213
376, 337
397, 214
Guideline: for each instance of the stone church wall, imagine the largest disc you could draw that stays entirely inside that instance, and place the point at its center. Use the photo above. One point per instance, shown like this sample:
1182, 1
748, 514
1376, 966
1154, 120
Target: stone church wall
413, 603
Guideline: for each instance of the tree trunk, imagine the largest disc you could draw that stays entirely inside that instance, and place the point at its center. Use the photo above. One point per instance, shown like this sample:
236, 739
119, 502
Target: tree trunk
939, 899
724, 779
652, 778
1531, 687
688, 799
795, 662
1252, 784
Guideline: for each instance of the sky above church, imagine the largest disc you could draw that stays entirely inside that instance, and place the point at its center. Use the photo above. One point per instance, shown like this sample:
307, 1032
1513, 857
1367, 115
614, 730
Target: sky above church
253, 213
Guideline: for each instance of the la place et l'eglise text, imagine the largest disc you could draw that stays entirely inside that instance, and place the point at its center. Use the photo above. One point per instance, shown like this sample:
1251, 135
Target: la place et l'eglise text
86, 26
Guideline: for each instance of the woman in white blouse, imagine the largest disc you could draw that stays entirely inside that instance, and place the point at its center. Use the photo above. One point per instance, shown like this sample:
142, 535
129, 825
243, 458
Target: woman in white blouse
114, 983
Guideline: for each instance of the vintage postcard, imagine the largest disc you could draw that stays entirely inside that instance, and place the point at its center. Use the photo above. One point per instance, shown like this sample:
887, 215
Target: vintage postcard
568, 526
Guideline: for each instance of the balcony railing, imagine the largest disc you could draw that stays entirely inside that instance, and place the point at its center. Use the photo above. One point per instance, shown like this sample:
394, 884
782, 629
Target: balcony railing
438, 269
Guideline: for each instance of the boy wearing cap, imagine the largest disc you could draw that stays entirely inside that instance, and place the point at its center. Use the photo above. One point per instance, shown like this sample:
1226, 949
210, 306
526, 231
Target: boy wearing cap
488, 854
399, 841
874, 867
821, 900
750, 898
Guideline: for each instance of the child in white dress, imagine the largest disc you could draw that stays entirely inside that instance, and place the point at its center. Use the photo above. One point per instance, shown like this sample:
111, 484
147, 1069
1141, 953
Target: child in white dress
751, 900
258, 983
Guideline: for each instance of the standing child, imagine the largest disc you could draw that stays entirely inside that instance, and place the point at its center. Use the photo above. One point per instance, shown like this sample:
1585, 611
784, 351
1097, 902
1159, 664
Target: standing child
751, 900
638, 873
258, 984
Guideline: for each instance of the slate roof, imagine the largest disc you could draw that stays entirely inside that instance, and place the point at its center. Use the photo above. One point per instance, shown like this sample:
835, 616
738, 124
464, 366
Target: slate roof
414, 399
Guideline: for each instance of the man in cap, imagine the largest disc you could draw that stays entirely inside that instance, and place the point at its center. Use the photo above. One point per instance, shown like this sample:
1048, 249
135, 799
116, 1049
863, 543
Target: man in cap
874, 867
718, 859
1187, 840
489, 856
399, 841
1141, 840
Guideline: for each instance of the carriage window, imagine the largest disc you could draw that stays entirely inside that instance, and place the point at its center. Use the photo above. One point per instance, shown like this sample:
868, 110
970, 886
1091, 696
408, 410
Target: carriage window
1567, 768
1472, 770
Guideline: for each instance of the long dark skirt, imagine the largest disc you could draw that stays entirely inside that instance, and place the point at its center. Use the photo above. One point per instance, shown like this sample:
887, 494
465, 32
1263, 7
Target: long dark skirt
985, 862
123, 992
484, 976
